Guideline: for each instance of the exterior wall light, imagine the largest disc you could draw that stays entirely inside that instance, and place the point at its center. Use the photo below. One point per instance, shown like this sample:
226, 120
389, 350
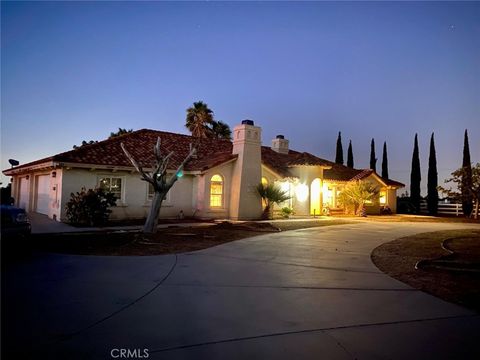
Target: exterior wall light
301, 191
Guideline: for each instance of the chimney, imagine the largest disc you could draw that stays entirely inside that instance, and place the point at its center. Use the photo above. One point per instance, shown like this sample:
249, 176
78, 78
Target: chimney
245, 204
280, 144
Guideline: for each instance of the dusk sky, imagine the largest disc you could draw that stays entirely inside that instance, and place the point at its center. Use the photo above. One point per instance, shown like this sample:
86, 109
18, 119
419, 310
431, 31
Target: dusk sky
76, 71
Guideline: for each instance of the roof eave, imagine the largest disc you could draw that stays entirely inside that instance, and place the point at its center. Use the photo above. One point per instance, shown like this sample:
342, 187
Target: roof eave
276, 173
92, 167
324, 167
205, 169
22, 169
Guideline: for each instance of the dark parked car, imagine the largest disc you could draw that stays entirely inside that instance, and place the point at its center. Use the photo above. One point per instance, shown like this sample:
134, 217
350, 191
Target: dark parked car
15, 222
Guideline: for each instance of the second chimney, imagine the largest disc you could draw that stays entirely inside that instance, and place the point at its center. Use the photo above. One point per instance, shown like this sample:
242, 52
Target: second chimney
280, 144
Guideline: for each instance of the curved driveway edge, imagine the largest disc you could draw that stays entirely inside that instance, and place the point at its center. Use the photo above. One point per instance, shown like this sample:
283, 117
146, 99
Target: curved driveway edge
310, 293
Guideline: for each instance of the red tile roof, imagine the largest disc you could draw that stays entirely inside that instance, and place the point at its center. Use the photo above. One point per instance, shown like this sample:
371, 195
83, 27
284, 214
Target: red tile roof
280, 163
393, 183
340, 172
344, 173
210, 153
140, 143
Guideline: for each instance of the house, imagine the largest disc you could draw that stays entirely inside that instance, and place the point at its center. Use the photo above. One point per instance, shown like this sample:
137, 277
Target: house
219, 182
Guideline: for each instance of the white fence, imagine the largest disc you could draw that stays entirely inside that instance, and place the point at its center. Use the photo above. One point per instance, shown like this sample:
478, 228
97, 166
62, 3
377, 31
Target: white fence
443, 208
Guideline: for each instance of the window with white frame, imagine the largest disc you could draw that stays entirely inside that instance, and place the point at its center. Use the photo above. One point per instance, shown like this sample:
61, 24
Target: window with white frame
216, 191
112, 184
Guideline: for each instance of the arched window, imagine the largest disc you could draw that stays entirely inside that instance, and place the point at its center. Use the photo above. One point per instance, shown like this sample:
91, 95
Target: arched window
216, 191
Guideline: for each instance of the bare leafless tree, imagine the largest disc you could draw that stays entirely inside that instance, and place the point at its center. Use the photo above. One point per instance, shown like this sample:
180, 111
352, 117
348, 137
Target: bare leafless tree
158, 178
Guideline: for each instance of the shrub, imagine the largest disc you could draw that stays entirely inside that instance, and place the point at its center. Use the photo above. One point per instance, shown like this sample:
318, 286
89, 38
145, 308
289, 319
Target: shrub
356, 194
271, 194
286, 212
405, 206
90, 207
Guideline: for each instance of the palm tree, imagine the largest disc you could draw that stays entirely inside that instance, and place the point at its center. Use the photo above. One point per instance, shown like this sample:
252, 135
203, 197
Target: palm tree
220, 130
199, 119
271, 194
356, 194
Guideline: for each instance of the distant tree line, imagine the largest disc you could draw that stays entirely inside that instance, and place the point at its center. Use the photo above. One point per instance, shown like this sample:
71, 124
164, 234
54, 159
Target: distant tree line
373, 159
466, 178
120, 131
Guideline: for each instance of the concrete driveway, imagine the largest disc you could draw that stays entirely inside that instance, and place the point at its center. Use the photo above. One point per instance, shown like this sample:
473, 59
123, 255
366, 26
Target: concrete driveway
305, 294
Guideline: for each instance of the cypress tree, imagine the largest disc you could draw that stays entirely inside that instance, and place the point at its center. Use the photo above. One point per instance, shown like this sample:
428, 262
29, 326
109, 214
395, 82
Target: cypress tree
467, 199
432, 195
339, 153
350, 155
415, 177
385, 161
373, 159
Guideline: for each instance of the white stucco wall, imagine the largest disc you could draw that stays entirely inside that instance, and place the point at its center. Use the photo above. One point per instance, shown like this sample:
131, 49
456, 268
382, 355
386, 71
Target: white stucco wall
134, 203
392, 199
306, 175
202, 191
269, 175
245, 203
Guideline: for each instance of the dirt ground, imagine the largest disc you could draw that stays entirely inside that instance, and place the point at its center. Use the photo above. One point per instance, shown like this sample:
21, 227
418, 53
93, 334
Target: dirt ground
451, 272
413, 218
173, 239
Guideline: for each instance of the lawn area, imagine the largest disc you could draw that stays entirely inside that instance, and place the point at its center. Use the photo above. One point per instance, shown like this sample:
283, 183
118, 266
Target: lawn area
173, 239
448, 264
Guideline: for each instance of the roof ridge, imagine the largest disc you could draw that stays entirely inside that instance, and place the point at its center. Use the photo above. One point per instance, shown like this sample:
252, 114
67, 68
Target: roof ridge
124, 136
98, 143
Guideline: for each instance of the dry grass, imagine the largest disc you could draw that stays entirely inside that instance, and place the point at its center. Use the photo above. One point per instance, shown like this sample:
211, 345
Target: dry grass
398, 258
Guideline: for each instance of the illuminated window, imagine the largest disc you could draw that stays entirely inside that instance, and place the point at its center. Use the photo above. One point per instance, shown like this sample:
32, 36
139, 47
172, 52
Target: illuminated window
151, 192
264, 181
383, 197
216, 191
112, 185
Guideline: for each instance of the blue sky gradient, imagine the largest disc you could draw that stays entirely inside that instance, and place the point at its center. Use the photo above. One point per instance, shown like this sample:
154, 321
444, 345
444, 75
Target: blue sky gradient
74, 71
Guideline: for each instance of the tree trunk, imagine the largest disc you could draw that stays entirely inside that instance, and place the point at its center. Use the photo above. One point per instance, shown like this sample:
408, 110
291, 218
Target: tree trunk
359, 210
476, 209
356, 209
151, 224
266, 212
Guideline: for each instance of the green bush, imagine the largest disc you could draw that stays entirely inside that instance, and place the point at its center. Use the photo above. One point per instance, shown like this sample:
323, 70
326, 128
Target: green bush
271, 194
286, 212
90, 207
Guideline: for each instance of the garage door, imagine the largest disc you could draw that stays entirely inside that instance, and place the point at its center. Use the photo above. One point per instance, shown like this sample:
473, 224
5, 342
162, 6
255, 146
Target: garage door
23, 195
43, 194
